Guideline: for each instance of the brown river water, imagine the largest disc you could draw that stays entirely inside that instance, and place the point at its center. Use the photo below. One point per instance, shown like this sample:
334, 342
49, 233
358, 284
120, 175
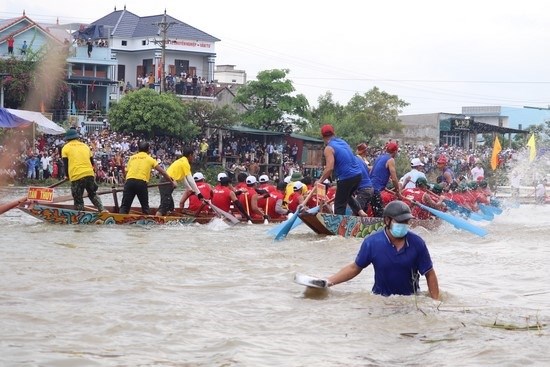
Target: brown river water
214, 295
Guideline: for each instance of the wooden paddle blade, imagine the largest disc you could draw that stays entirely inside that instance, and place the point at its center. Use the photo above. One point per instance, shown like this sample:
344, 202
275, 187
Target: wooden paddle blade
233, 219
8, 206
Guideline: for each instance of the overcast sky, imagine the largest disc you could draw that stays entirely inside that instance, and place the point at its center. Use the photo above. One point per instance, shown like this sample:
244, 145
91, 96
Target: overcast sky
436, 55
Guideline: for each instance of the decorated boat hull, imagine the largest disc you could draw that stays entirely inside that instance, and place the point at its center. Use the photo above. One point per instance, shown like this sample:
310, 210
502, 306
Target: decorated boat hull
65, 214
354, 226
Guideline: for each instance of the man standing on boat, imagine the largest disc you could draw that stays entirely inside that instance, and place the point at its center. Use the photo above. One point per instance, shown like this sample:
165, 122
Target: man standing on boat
79, 168
383, 170
341, 161
398, 256
137, 177
179, 170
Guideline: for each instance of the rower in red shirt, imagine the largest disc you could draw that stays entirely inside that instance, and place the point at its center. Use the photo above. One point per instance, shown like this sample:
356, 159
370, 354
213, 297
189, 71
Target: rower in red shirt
223, 196
196, 205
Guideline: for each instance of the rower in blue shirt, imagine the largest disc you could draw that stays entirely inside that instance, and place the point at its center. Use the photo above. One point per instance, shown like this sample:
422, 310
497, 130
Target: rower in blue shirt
340, 159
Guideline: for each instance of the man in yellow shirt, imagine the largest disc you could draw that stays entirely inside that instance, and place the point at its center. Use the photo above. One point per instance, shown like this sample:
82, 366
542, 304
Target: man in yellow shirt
138, 174
296, 176
78, 161
203, 150
179, 170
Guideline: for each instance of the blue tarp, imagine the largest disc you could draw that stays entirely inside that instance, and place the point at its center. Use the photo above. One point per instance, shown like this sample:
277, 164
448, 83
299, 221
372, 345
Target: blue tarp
22, 118
9, 120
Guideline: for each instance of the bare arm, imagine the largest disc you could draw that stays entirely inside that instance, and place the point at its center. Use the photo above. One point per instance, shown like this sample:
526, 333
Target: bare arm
254, 205
393, 177
348, 272
329, 166
163, 172
433, 285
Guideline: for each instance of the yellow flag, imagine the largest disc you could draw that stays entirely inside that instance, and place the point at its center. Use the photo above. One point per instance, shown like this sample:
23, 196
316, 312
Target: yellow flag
496, 149
532, 149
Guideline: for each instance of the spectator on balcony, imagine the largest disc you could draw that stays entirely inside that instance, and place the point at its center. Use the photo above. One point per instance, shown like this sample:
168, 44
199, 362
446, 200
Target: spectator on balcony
90, 45
24, 48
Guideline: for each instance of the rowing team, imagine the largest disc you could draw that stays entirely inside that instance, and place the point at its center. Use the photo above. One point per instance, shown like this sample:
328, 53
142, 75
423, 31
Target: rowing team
467, 196
254, 198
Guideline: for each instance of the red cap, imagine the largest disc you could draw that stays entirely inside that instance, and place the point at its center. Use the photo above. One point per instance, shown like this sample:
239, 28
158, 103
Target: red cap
392, 147
327, 130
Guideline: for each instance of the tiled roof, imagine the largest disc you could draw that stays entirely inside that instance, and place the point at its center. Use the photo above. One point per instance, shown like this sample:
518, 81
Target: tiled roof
126, 24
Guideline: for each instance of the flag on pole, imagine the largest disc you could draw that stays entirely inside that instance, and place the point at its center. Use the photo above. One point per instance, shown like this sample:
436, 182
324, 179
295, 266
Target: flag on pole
494, 157
532, 149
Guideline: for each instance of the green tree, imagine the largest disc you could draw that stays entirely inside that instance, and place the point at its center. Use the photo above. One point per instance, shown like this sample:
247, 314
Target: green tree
270, 103
148, 112
327, 112
206, 115
372, 114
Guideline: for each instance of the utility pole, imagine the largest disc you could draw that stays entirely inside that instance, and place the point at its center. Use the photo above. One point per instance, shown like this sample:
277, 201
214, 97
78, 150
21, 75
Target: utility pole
163, 29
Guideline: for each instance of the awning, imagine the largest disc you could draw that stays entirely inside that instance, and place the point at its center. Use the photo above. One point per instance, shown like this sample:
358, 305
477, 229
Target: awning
10, 118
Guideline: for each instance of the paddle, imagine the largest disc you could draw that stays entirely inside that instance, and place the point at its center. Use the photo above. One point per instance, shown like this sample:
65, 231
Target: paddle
463, 210
273, 231
283, 232
486, 210
5, 207
233, 219
457, 222
491, 208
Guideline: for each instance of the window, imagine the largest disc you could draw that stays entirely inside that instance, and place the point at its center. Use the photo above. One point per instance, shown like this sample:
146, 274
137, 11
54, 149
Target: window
124, 43
144, 43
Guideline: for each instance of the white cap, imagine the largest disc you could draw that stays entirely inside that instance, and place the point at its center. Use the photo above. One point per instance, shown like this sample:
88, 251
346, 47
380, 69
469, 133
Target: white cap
287, 179
415, 162
298, 185
264, 178
251, 180
198, 176
222, 175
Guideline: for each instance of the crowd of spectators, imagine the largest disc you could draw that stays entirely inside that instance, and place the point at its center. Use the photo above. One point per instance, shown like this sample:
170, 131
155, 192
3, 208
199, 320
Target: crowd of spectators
24, 162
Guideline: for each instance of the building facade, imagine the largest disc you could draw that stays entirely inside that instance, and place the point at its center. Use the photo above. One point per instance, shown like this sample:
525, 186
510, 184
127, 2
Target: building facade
458, 130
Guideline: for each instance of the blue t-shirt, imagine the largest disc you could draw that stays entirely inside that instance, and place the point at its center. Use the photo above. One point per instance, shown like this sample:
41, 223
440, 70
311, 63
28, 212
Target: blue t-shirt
345, 165
365, 178
394, 272
379, 173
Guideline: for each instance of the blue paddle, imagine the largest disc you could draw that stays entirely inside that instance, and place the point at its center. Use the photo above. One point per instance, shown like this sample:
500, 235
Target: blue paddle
273, 231
462, 210
457, 222
287, 225
490, 210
